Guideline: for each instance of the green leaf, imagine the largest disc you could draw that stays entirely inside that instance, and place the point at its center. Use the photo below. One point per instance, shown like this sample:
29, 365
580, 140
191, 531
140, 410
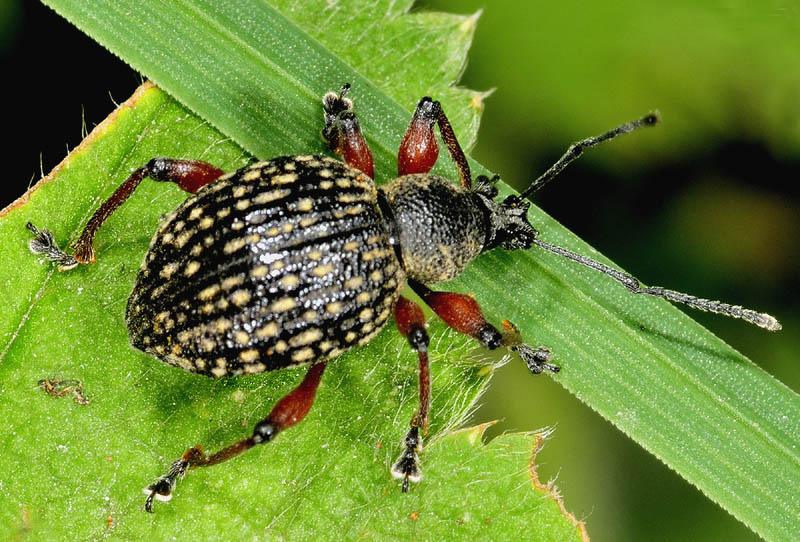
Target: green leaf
89, 462
250, 72
694, 402
78, 469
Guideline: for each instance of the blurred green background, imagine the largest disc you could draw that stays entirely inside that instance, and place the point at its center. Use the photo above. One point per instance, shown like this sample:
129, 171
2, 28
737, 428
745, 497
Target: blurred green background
707, 203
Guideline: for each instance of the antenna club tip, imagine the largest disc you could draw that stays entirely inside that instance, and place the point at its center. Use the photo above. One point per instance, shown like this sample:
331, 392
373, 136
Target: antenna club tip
770, 323
652, 118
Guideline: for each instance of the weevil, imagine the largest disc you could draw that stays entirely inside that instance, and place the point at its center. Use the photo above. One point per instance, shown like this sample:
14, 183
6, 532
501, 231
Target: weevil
293, 261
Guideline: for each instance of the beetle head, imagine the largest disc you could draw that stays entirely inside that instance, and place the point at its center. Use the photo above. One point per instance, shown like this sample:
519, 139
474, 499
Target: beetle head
508, 220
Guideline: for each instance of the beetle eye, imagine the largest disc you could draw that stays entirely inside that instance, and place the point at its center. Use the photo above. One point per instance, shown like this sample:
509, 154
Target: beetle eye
519, 206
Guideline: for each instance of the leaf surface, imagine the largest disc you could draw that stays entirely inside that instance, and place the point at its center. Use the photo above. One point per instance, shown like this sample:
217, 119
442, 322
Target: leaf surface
681, 393
76, 470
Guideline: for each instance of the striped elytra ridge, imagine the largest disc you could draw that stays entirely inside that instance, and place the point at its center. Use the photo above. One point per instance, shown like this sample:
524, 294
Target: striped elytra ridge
281, 263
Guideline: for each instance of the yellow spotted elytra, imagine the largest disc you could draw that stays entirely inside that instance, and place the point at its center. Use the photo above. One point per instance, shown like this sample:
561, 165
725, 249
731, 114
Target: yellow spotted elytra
265, 268
294, 260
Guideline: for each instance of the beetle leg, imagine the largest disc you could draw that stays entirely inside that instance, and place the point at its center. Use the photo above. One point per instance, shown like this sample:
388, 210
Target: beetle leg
287, 412
537, 359
411, 323
419, 149
343, 133
463, 314
190, 175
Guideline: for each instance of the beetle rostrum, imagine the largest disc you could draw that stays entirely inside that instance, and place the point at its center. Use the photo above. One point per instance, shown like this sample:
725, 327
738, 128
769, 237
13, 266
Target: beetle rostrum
294, 260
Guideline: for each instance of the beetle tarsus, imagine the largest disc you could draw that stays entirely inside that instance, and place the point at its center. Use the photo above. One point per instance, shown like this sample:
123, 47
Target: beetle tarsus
342, 131
162, 488
407, 465
44, 243
537, 359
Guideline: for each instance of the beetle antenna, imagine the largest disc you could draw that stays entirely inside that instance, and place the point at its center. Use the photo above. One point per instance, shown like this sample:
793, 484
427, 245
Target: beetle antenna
576, 149
634, 286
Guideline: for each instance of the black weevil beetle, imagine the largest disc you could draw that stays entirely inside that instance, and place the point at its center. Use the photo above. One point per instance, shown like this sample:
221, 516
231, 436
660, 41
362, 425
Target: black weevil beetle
297, 259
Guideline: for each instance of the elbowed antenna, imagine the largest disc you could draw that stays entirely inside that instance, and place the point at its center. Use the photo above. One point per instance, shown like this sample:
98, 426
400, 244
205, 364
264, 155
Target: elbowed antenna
634, 286
576, 149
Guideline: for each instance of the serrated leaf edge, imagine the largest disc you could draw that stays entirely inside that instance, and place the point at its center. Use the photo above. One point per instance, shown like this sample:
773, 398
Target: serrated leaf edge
475, 436
549, 488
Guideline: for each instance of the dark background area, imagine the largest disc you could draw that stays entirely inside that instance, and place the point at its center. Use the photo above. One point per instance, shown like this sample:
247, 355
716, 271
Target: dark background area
59, 84
708, 203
